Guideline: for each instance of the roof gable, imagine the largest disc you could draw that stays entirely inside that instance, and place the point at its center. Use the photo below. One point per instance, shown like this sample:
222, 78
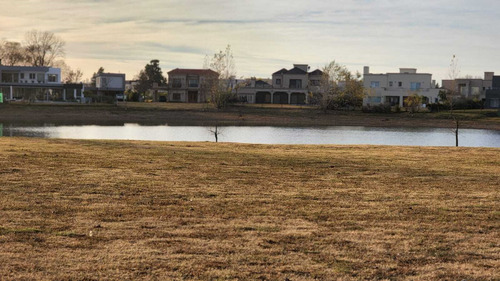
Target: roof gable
187, 71
296, 70
281, 71
316, 72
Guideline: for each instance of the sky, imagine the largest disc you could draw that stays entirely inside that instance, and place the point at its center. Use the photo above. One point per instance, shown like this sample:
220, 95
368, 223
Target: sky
266, 35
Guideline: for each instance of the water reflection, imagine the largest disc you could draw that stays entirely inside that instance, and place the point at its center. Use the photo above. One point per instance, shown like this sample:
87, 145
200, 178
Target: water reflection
266, 135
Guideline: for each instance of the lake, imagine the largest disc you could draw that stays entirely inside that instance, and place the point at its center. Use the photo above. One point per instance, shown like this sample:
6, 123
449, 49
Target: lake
265, 135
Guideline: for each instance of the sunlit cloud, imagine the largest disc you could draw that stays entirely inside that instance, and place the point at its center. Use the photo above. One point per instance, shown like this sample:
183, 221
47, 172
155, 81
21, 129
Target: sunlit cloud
123, 35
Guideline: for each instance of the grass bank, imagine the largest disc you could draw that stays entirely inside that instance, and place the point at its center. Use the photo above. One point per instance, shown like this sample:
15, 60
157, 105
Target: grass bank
92, 210
241, 115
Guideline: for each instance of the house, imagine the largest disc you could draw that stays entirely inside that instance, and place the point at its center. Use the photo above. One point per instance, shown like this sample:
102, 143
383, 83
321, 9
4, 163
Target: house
188, 85
394, 88
492, 96
286, 86
470, 87
30, 82
110, 84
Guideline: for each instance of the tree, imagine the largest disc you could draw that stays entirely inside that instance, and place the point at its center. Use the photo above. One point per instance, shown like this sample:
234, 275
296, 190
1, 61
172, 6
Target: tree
219, 88
42, 48
150, 75
339, 88
94, 76
143, 84
452, 93
413, 102
68, 75
11, 53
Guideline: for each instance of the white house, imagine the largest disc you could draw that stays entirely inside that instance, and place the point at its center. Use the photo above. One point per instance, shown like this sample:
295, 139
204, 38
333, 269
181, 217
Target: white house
20, 82
393, 88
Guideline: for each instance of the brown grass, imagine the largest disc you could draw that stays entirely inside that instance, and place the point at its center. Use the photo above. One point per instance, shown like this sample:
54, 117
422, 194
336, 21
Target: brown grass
241, 115
97, 210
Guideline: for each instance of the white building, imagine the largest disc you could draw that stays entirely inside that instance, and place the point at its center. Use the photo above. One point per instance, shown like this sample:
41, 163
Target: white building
22, 82
393, 88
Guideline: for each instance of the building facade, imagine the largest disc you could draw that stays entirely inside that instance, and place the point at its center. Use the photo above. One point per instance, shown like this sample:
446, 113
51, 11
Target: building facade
470, 87
394, 88
188, 85
492, 96
33, 83
286, 87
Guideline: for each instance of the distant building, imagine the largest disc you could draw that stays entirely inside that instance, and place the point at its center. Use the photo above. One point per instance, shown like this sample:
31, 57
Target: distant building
393, 88
186, 85
110, 84
29, 82
470, 87
286, 87
492, 96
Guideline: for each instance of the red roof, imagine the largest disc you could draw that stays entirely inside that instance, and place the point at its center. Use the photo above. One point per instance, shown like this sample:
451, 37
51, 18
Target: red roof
187, 71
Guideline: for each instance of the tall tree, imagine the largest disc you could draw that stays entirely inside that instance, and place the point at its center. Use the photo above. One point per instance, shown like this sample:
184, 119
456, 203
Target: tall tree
11, 53
154, 73
94, 76
223, 63
219, 88
42, 48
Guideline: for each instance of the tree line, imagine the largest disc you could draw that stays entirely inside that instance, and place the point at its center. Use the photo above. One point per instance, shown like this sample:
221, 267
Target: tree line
39, 48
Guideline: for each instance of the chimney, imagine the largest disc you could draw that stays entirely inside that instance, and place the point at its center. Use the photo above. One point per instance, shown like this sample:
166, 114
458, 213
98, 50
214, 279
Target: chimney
304, 67
366, 70
488, 76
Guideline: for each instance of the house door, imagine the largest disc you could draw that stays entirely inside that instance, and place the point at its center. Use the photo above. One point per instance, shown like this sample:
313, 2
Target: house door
192, 96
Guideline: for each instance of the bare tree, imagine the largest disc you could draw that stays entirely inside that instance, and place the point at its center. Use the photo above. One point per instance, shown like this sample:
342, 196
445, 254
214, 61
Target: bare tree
219, 90
68, 75
453, 93
11, 53
42, 48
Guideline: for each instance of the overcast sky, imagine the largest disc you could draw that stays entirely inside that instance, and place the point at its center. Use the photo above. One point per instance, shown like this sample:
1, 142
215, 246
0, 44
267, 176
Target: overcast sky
266, 35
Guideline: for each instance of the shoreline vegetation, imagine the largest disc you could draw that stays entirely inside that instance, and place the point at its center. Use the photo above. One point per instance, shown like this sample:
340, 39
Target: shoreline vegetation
138, 210
237, 115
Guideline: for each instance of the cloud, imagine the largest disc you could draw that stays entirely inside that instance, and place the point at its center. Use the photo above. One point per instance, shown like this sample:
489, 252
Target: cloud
123, 35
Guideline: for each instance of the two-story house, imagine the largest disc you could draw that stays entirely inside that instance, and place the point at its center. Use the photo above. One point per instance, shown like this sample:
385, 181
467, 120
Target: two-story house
394, 88
187, 85
470, 87
28, 82
286, 87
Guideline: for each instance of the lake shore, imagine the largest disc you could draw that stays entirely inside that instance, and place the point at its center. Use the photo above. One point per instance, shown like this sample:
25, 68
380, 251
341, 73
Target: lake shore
242, 115
74, 209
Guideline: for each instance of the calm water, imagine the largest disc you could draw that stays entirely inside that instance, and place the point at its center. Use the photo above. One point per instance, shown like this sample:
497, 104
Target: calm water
266, 135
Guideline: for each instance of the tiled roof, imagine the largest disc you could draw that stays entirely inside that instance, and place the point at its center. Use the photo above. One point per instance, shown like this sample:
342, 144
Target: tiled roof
187, 71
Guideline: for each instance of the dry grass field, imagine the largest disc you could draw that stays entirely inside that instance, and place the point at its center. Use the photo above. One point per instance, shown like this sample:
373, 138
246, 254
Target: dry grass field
116, 210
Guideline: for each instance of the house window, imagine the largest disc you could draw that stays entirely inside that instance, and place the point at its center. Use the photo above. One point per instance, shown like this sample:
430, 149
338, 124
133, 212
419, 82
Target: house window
400, 84
390, 83
177, 83
278, 81
414, 86
52, 77
21, 75
295, 83
176, 96
374, 84
40, 77
193, 82
32, 76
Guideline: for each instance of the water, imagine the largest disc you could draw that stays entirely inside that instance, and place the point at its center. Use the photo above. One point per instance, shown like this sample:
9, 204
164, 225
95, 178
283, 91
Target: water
266, 135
